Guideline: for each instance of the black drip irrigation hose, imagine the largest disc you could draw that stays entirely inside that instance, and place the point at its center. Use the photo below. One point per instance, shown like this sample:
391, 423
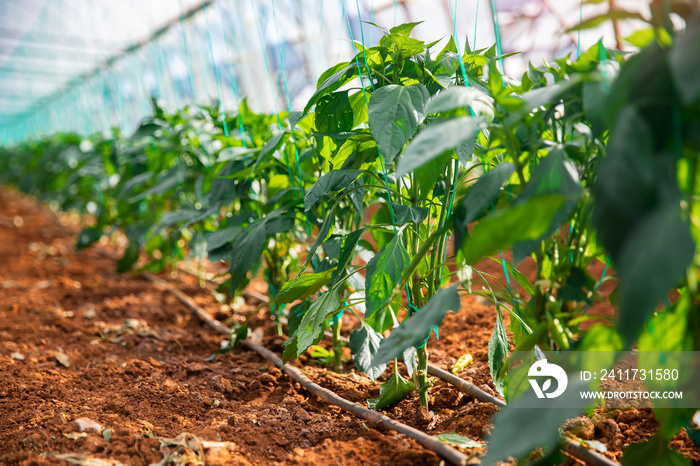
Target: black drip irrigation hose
570, 447
442, 449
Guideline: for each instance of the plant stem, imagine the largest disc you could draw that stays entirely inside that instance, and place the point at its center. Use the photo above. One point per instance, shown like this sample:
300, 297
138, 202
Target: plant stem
422, 375
437, 253
278, 321
337, 347
511, 146
534, 338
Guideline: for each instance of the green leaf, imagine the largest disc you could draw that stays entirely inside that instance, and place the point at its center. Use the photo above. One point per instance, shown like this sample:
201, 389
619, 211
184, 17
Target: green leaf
600, 338
364, 343
480, 197
428, 177
643, 37
410, 359
269, 147
332, 181
646, 82
323, 234
453, 97
311, 326
382, 273
147, 129
334, 113
129, 258
395, 112
165, 182
436, 139
414, 331
392, 391
88, 236
521, 279
555, 174
401, 47
653, 451
290, 350
177, 216
609, 16
346, 251
407, 214
631, 182
136, 234
507, 437
671, 421
296, 313
543, 97
459, 440
131, 183
595, 96
303, 287
247, 249
652, 261
684, 65
498, 353
228, 154
501, 230
668, 330
404, 29
222, 237
331, 80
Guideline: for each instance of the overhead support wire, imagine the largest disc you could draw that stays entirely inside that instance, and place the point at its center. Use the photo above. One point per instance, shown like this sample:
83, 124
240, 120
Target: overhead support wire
190, 70
108, 63
216, 73
234, 88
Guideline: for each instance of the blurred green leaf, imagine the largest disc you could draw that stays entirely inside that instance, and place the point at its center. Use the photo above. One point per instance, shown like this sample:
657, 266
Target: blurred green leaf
394, 115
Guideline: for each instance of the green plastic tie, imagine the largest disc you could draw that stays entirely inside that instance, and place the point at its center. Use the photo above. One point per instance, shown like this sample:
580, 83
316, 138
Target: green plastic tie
466, 82
497, 30
190, 70
364, 93
216, 70
578, 54
233, 79
272, 89
279, 121
595, 290
580, 20
476, 22
286, 93
453, 15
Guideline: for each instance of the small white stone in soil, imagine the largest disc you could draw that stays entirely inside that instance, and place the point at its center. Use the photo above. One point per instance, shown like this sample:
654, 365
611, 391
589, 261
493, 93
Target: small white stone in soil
63, 358
87, 425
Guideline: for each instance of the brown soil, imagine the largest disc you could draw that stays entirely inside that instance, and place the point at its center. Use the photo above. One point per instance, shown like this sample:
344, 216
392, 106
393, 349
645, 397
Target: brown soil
80, 342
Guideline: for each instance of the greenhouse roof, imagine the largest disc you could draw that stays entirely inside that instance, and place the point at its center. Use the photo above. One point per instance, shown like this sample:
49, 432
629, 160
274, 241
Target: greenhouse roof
90, 65
46, 45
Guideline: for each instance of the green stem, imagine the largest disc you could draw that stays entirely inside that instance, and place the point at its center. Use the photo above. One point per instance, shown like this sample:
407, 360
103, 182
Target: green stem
278, 321
413, 265
422, 374
539, 296
693, 180
534, 338
511, 145
337, 347
438, 252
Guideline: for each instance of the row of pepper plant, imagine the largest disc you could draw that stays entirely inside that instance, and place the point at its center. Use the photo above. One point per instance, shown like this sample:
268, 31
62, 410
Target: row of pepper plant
408, 168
